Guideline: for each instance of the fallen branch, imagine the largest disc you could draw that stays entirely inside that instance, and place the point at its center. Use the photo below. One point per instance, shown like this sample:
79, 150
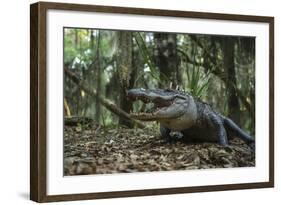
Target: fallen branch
103, 101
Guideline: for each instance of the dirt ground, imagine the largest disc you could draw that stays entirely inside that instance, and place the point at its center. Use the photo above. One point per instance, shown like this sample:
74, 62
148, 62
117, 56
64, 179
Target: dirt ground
95, 150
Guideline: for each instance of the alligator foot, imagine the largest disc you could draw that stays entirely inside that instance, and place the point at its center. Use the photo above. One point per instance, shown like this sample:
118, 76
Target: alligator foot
176, 135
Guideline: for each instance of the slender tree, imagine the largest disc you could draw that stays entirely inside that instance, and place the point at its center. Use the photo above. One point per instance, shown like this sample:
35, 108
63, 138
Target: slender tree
166, 58
124, 69
98, 78
228, 48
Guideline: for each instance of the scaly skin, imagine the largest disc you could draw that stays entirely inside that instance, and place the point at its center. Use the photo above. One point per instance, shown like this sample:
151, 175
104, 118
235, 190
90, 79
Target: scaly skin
192, 119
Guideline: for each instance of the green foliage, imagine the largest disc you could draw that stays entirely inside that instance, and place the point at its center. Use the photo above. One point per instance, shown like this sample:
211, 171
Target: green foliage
198, 82
147, 58
77, 51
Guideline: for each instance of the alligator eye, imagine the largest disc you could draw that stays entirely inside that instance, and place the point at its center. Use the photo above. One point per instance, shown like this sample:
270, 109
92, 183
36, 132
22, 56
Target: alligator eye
181, 97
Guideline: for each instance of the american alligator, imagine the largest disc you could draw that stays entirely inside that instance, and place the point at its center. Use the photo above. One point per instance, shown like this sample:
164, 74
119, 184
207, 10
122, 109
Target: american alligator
180, 112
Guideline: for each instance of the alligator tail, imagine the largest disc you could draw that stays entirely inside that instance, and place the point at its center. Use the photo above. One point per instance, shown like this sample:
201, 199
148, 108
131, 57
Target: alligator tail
238, 132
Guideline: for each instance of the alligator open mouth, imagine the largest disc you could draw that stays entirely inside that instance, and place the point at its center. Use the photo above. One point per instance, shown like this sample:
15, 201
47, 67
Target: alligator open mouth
153, 105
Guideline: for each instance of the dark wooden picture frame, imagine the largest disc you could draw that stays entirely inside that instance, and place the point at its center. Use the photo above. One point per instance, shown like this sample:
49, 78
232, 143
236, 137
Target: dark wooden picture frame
38, 100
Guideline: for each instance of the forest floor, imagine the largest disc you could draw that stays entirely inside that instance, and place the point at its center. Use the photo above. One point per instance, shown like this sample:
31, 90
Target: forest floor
95, 150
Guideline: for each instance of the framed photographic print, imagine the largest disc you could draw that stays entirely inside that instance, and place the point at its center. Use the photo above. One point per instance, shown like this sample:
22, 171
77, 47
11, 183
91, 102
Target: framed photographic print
134, 102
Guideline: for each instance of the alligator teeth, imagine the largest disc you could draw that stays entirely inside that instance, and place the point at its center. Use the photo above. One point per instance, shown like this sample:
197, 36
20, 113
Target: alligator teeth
141, 113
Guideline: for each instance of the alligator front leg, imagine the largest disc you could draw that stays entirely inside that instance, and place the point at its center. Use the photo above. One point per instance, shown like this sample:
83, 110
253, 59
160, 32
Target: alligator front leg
165, 133
169, 135
217, 124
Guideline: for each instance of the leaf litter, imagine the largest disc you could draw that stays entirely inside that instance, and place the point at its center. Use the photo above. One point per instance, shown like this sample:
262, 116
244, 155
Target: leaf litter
121, 150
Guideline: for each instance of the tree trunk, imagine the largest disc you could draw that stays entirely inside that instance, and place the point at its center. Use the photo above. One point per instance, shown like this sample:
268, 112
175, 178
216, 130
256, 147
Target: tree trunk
98, 80
231, 85
124, 69
166, 58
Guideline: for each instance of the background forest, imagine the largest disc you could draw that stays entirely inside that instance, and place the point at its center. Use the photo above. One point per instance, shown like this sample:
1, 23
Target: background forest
219, 70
